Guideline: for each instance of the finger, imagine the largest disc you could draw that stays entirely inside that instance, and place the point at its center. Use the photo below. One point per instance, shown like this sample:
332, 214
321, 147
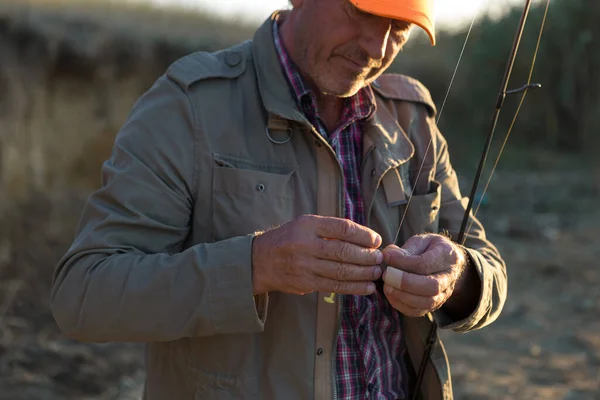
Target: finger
419, 285
438, 257
344, 252
427, 303
344, 287
347, 272
400, 258
417, 245
406, 309
434, 259
347, 231
393, 276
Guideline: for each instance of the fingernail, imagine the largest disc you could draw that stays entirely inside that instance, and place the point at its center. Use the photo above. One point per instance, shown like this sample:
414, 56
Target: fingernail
371, 288
377, 273
378, 241
379, 257
389, 289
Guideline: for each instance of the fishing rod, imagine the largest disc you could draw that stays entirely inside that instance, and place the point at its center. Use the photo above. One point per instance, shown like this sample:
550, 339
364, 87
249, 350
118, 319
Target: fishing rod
503, 93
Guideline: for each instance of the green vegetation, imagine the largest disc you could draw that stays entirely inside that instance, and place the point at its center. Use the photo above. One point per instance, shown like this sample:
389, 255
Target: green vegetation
72, 69
562, 116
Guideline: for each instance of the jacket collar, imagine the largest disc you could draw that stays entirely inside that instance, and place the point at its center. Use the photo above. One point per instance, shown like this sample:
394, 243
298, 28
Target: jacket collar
382, 130
272, 83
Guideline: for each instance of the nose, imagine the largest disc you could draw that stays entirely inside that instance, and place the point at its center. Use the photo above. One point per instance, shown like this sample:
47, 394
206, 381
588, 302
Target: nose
374, 36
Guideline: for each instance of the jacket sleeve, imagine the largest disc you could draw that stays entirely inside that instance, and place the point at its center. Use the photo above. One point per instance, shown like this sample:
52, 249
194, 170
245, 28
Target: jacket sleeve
128, 276
484, 255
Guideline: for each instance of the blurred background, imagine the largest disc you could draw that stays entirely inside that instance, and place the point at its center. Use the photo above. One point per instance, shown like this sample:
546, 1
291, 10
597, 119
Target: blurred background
71, 70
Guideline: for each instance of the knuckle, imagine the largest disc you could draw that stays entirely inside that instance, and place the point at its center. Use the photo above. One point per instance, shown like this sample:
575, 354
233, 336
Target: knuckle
431, 303
338, 287
321, 246
412, 249
343, 272
437, 303
445, 295
343, 252
347, 229
460, 258
452, 257
435, 288
428, 263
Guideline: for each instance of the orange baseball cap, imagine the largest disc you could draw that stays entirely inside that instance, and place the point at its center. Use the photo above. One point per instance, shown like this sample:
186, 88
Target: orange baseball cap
418, 12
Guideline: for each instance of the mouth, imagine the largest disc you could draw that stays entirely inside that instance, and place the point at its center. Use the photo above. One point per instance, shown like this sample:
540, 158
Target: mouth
355, 67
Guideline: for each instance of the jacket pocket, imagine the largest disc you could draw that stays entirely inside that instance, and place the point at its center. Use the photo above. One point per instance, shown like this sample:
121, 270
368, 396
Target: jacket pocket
249, 197
423, 215
225, 387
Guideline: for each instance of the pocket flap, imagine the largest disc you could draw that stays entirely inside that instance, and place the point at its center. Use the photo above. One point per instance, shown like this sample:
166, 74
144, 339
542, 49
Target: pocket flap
394, 188
246, 182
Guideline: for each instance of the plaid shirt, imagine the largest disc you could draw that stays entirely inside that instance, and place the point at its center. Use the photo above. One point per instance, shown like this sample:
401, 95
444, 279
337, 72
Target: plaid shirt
370, 348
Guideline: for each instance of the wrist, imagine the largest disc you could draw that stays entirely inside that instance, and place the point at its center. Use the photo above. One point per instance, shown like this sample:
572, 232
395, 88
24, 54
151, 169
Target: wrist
466, 269
467, 290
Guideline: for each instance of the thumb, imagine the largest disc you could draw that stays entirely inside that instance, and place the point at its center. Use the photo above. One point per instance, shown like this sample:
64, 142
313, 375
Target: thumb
408, 257
417, 245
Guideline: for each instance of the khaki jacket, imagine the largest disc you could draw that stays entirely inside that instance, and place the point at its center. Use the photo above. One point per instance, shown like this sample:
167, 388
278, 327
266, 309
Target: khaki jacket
163, 251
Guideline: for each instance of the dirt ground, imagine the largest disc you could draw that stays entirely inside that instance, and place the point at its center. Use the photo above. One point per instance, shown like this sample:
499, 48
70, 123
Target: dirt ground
546, 345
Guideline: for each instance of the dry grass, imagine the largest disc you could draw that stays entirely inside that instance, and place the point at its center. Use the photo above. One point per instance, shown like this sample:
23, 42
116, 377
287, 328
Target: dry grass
137, 19
71, 71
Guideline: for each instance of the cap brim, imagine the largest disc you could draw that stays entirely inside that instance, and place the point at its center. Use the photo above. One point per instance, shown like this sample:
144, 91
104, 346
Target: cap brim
418, 12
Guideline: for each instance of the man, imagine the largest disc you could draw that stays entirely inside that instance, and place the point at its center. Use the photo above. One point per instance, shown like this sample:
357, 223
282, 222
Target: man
249, 184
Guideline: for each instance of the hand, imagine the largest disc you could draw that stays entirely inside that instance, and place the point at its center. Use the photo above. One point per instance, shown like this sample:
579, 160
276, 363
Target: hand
313, 253
422, 275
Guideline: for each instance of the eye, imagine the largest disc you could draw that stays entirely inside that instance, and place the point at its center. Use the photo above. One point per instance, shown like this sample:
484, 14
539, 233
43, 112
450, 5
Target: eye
400, 25
354, 12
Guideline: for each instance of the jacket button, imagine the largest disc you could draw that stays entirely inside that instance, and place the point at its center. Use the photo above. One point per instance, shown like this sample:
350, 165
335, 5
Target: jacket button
373, 172
260, 187
319, 351
233, 59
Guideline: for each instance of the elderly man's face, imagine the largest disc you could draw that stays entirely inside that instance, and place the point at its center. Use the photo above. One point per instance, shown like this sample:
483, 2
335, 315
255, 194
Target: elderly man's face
340, 49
